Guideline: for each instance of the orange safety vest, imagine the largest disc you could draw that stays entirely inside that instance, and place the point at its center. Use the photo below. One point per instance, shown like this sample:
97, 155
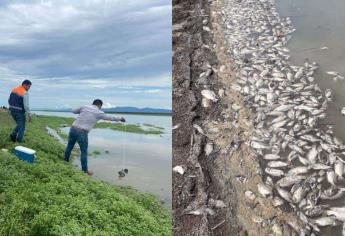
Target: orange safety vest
16, 99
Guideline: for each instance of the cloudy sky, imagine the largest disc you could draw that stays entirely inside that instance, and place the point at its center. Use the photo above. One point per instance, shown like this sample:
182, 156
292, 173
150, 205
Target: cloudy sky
77, 50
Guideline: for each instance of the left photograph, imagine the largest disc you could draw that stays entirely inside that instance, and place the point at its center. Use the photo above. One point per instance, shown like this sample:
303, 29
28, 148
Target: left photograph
85, 117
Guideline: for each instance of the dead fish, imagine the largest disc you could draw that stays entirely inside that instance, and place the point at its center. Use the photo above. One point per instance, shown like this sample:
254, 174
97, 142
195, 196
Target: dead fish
284, 194
298, 170
274, 172
279, 124
219, 204
258, 145
331, 177
326, 221
179, 169
206, 28
299, 73
277, 230
312, 154
337, 212
205, 103
199, 129
209, 95
304, 161
176, 126
299, 194
319, 166
278, 119
339, 169
332, 72
196, 212
208, 148
328, 94
283, 108
290, 180
296, 148
326, 147
236, 107
264, 189
342, 111
250, 195
277, 201
329, 196
314, 211
271, 157
277, 164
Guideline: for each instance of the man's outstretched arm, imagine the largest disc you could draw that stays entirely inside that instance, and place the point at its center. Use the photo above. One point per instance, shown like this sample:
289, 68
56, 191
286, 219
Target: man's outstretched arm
104, 116
76, 110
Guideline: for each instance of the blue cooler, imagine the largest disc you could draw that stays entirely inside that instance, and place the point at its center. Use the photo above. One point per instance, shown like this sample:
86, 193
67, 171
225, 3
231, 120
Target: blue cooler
25, 154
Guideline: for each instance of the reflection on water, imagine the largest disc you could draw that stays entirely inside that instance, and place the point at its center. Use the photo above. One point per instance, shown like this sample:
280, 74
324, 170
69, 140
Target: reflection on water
147, 157
318, 24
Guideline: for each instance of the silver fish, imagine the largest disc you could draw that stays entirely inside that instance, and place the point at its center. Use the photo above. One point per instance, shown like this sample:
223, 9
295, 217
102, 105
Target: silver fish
274, 172
298, 170
271, 157
331, 177
339, 169
284, 194
209, 95
264, 189
290, 180
326, 221
277, 164
258, 145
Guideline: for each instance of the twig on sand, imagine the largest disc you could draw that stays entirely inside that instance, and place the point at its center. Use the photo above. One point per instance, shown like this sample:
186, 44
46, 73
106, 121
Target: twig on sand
218, 225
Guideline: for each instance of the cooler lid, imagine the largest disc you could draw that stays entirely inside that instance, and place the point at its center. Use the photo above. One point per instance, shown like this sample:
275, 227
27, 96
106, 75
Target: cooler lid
25, 150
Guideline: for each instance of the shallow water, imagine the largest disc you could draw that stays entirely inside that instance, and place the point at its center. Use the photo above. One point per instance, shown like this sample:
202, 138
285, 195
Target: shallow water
147, 157
320, 24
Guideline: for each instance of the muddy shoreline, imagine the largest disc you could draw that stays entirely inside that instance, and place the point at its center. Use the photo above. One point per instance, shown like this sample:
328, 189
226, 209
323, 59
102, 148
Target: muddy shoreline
230, 169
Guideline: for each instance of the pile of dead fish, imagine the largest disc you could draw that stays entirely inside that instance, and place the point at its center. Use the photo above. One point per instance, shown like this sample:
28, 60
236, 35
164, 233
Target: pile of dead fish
302, 161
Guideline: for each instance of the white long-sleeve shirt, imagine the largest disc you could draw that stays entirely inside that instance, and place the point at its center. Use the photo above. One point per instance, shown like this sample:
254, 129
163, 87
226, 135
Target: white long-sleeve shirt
89, 115
26, 103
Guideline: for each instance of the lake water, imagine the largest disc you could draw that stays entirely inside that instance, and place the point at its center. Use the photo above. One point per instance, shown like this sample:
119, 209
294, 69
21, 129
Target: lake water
318, 24
147, 157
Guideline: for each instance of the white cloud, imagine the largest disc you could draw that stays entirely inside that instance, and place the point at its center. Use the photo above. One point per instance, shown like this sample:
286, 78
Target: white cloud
77, 50
152, 91
107, 105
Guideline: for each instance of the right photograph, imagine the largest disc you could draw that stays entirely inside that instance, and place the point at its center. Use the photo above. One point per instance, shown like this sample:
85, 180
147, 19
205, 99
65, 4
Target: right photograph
258, 117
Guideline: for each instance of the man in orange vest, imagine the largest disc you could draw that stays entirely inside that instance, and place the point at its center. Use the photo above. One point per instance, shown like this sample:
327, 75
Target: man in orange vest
19, 106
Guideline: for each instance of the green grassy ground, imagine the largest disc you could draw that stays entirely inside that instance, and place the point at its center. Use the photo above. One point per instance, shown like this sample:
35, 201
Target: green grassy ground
51, 197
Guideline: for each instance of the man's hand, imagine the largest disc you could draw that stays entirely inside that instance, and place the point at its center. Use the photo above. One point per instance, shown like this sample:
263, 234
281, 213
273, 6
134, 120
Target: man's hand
123, 119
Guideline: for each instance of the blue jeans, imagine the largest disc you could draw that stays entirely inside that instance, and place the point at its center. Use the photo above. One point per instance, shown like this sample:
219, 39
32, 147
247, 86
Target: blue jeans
79, 136
18, 131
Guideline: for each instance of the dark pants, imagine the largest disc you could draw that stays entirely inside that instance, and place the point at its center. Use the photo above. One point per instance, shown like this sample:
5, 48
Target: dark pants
18, 131
79, 136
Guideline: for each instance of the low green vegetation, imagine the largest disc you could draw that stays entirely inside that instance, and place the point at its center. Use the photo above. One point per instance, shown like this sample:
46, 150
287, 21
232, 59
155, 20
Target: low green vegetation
131, 128
153, 126
51, 197
60, 122
96, 153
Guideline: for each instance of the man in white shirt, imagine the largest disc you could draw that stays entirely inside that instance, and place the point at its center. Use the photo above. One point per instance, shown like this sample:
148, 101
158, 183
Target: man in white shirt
88, 117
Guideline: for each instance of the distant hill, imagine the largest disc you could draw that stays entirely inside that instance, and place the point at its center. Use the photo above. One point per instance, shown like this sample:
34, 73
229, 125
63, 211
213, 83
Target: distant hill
121, 110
